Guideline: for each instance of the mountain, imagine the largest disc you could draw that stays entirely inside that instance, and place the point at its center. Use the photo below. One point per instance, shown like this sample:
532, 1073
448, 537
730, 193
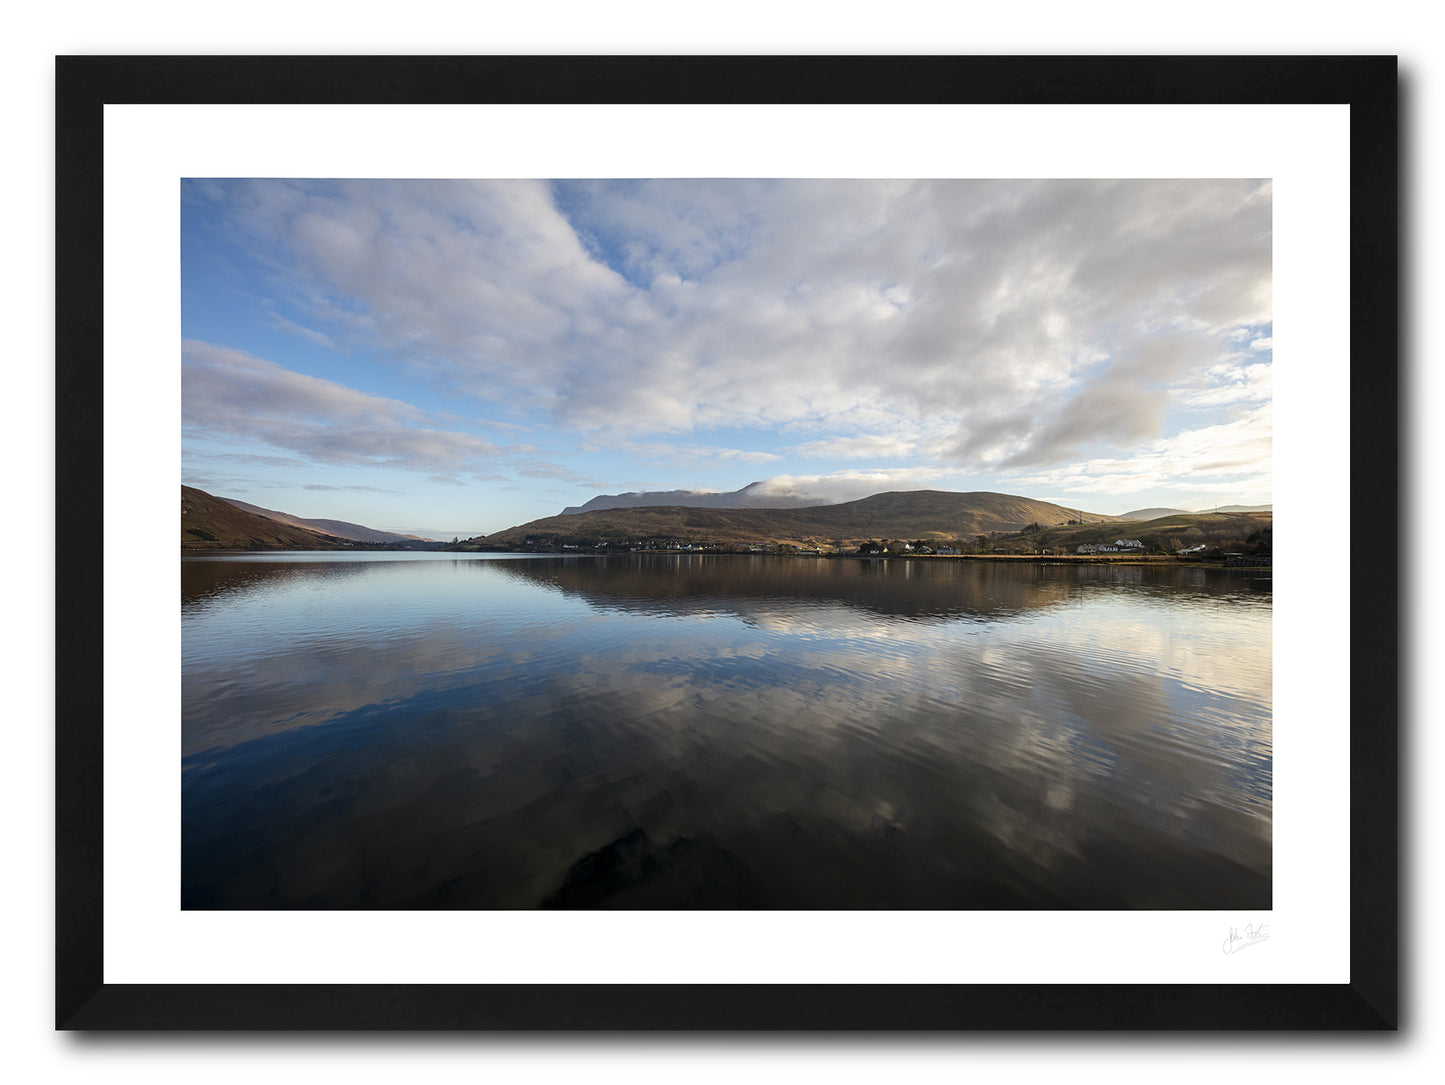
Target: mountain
1152, 514
213, 523
908, 514
340, 528
751, 496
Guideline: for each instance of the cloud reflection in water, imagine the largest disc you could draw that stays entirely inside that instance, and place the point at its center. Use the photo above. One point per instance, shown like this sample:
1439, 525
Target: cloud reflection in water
723, 732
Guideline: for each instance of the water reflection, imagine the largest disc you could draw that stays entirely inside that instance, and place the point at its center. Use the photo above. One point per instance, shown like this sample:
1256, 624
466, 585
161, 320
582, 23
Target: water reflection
648, 732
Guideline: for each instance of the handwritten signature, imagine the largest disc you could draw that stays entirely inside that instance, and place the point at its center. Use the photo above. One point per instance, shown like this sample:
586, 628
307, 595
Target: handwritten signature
1252, 935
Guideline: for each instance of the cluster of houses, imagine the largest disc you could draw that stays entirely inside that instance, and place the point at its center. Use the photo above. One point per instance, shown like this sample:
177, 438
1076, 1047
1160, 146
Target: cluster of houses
879, 550
1134, 546
1118, 546
545, 543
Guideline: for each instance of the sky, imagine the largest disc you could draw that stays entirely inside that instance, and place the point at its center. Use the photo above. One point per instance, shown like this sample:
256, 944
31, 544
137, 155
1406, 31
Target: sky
451, 358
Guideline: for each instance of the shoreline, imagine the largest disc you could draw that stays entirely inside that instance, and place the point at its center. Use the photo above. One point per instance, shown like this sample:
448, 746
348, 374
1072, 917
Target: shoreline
1027, 559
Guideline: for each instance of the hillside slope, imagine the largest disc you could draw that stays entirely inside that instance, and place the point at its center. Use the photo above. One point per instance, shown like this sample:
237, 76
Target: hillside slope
1237, 530
1152, 514
340, 528
212, 523
910, 514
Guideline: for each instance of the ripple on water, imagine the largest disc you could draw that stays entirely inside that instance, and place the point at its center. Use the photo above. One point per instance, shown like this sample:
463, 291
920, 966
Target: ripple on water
502, 734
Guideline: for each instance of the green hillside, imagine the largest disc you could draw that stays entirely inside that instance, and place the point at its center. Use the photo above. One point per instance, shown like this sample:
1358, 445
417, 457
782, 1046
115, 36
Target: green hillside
209, 523
1245, 532
911, 514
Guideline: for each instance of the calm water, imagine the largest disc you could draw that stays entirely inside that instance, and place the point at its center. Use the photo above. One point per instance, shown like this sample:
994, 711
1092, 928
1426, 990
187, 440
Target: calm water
654, 731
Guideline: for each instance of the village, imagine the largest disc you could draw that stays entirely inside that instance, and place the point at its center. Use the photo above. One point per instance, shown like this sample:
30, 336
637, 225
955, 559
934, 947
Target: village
981, 548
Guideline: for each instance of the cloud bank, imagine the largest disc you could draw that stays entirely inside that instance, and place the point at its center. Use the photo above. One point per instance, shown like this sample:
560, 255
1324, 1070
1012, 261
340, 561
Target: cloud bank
1020, 328
229, 393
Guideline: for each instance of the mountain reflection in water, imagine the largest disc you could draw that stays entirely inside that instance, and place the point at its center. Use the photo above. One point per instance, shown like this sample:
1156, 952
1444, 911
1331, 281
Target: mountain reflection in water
667, 731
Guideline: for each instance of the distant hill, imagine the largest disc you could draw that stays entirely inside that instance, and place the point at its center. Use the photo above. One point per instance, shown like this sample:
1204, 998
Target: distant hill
213, 523
340, 528
908, 514
751, 496
1152, 514
1243, 531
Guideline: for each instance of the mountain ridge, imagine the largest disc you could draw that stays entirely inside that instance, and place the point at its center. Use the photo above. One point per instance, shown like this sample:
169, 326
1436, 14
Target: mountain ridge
897, 514
748, 497
1152, 514
341, 529
209, 522
753, 496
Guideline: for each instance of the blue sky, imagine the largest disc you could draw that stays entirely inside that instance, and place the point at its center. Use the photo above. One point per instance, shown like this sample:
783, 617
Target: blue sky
451, 357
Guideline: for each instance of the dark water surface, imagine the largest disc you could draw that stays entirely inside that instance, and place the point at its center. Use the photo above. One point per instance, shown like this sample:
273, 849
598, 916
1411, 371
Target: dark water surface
655, 731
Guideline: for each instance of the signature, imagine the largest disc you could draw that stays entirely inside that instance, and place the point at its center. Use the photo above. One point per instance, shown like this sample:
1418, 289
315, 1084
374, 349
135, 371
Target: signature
1253, 934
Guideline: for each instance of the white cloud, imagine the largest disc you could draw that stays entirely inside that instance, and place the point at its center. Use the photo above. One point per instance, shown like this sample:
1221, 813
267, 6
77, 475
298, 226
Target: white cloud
667, 452
542, 469
840, 486
866, 447
227, 393
1232, 457
309, 334
1032, 322
1228, 385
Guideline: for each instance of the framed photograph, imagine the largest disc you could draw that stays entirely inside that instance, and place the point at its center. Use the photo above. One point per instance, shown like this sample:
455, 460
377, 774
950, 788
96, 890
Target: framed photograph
726, 543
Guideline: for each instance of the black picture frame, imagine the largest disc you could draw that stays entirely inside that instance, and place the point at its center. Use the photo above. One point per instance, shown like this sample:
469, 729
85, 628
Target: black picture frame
1368, 85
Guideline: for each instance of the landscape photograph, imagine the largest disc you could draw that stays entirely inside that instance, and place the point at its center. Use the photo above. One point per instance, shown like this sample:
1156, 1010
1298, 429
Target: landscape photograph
726, 544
